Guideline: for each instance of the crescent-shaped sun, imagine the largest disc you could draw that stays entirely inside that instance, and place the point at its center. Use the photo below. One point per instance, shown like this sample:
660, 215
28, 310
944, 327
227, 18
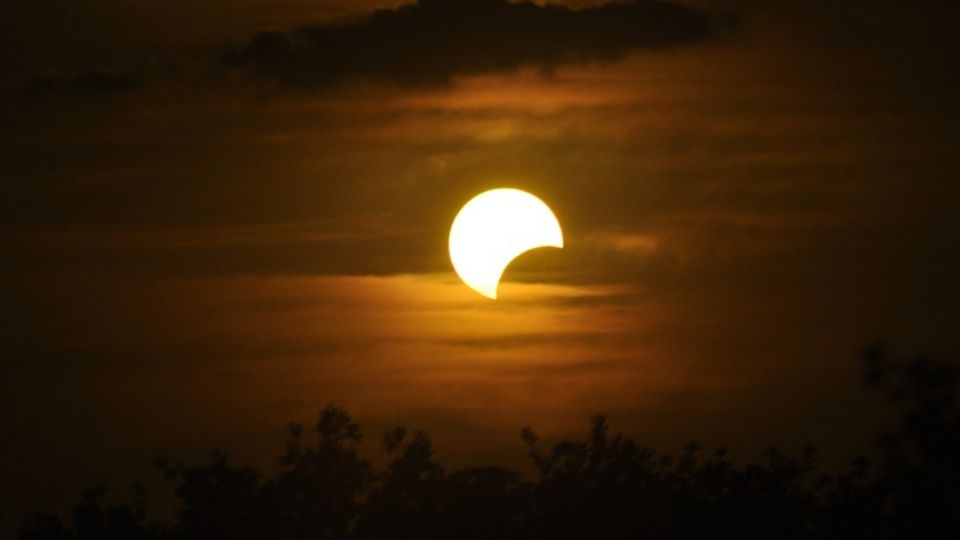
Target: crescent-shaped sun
493, 229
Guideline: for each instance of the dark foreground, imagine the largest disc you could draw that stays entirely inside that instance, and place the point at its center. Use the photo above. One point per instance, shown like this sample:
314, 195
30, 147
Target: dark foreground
606, 486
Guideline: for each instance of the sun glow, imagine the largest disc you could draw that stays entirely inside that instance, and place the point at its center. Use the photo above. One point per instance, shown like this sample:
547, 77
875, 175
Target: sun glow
493, 229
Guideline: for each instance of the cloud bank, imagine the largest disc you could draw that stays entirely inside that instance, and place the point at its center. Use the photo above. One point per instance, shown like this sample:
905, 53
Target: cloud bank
431, 42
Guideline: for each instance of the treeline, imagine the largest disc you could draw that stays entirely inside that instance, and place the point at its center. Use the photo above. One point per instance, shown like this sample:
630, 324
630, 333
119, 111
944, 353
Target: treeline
605, 486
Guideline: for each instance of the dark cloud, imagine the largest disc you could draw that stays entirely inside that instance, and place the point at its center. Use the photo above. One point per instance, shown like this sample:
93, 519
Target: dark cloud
85, 83
432, 41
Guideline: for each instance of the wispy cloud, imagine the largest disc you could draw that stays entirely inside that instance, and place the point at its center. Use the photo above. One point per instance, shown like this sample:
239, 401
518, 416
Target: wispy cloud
433, 41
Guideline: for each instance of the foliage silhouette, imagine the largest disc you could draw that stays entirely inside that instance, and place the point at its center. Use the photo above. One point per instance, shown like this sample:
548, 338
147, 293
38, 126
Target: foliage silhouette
606, 486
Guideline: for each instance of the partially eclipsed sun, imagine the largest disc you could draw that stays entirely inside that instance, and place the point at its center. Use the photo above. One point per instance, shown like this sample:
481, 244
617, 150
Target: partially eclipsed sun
493, 229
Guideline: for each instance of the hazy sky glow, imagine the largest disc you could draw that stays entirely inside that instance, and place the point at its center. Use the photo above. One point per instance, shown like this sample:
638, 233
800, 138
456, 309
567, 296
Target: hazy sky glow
195, 253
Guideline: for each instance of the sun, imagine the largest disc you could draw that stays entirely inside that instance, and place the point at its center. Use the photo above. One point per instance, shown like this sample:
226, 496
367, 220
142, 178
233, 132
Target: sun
493, 229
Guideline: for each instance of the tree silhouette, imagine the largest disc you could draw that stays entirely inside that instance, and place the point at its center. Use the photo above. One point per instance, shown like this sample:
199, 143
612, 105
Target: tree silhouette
605, 486
919, 479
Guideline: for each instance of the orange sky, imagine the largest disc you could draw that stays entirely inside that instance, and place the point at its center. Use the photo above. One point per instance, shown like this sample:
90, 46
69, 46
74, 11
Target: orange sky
208, 256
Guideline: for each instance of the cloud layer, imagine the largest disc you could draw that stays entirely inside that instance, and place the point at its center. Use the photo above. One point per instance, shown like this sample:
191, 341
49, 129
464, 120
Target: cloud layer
88, 82
433, 41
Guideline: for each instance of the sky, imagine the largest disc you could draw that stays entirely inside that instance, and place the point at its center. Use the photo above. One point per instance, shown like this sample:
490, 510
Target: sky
217, 218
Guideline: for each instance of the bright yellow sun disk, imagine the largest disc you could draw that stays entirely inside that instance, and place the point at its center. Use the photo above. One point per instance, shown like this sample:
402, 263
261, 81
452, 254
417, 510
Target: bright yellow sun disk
493, 229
